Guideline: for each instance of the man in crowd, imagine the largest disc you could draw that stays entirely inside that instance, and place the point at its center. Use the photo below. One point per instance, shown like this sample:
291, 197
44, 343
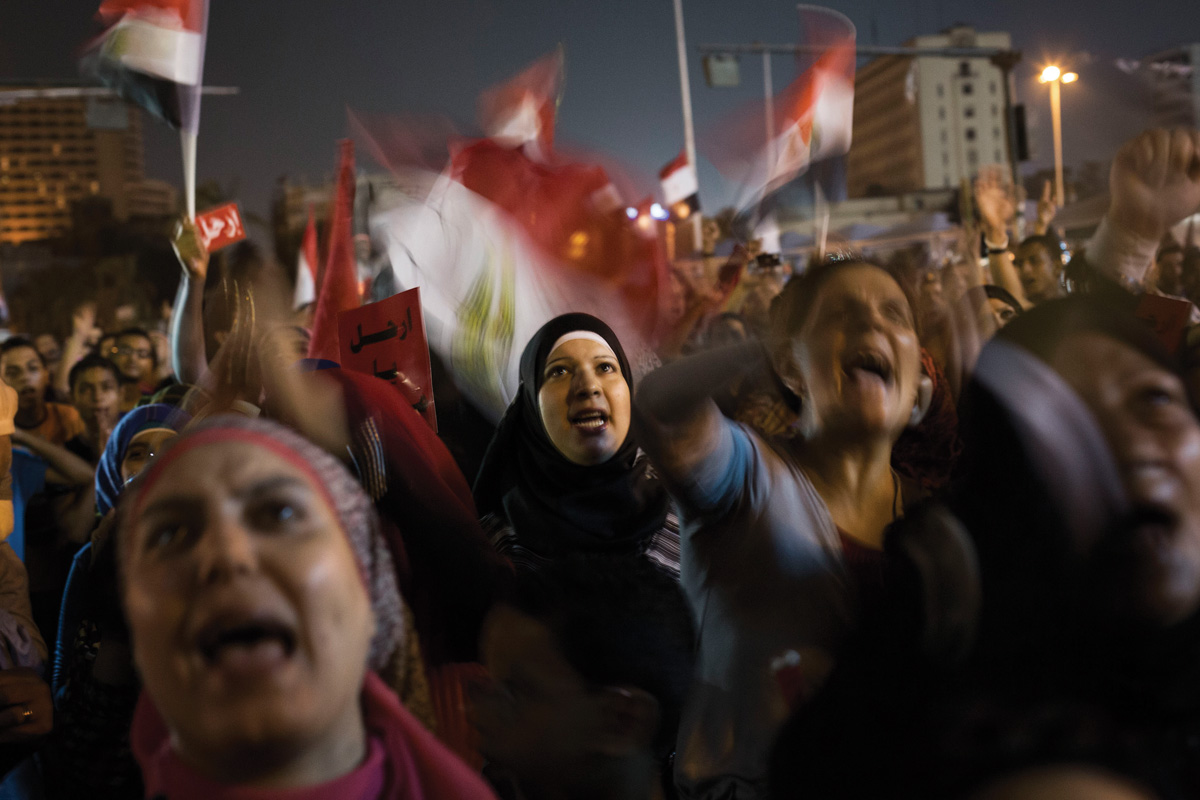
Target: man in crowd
96, 394
136, 359
23, 369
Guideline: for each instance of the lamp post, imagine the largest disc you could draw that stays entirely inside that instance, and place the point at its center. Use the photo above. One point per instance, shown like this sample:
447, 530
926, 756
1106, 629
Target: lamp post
1056, 77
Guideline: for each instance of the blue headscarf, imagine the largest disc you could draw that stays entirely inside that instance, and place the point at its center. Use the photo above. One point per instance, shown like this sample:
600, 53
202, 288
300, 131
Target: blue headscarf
108, 472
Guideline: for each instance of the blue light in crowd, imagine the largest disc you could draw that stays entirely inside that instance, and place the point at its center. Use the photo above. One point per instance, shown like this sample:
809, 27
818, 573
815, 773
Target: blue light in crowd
658, 212
631, 212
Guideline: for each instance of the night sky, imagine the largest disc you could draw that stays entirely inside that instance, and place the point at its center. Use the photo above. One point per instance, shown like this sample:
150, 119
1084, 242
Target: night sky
299, 63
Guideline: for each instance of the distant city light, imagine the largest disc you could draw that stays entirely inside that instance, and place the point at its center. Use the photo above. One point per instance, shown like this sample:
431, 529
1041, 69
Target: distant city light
1050, 74
1070, 77
631, 212
658, 212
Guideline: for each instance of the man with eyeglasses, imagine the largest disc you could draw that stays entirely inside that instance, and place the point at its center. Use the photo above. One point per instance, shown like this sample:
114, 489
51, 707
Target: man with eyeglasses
133, 353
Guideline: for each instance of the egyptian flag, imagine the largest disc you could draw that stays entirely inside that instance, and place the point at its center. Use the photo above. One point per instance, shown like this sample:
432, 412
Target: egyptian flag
813, 118
306, 266
520, 113
153, 54
681, 190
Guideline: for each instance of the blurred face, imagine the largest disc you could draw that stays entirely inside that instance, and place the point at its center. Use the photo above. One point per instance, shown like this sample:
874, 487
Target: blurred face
134, 357
537, 716
47, 345
1170, 273
584, 401
23, 371
1038, 272
858, 356
1002, 312
250, 622
96, 396
1151, 567
143, 447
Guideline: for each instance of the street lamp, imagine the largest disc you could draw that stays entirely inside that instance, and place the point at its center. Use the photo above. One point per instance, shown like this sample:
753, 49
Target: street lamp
1056, 77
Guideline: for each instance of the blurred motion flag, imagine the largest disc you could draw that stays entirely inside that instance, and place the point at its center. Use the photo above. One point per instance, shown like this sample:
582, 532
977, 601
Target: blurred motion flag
338, 282
521, 111
153, 54
511, 236
306, 266
679, 186
813, 117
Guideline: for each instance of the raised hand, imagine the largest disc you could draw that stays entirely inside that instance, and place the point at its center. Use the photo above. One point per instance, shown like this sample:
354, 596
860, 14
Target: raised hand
1155, 182
83, 322
1046, 209
994, 199
190, 250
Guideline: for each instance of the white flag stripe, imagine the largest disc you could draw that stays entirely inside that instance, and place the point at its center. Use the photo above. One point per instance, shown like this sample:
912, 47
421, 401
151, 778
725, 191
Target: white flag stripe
680, 185
172, 54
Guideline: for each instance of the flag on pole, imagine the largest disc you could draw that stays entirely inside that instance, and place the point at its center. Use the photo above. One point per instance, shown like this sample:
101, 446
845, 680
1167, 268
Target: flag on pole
813, 118
521, 111
679, 187
152, 53
339, 280
306, 266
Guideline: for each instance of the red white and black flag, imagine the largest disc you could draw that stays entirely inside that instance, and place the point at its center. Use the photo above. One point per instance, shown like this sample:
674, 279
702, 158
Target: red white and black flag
680, 188
811, 119
152, 53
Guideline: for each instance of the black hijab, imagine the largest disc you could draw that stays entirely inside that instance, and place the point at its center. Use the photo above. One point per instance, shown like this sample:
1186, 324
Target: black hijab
554, 505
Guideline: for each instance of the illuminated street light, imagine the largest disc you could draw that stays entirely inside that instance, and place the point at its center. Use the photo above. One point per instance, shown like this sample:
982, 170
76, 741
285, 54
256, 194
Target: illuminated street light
1056, 77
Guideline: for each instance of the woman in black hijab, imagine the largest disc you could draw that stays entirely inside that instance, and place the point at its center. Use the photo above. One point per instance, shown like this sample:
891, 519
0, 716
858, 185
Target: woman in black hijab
563, 473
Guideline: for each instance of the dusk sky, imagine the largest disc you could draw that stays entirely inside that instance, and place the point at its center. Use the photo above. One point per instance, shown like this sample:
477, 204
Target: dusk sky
300, 63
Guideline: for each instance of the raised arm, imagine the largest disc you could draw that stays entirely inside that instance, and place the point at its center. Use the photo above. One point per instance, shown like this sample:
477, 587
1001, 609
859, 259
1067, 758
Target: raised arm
677, 422
994, 199
83, 333
1155, 183
188, 358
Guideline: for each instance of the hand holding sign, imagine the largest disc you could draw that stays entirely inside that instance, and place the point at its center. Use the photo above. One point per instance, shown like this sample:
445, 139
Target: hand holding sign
387, 340
221, 227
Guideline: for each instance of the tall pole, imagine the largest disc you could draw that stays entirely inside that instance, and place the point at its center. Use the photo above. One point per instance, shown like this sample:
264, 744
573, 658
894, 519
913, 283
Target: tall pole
685, 87
769, 93
1056, 118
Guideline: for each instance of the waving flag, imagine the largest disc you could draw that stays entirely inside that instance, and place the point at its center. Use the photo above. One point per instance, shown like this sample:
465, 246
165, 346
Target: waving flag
153, 55
521, 111
813, 117
680, 188
511, 235
339, 279
306, 266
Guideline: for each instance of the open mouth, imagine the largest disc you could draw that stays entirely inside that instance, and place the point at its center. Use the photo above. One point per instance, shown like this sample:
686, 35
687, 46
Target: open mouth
248, 640
870, 363
590, 421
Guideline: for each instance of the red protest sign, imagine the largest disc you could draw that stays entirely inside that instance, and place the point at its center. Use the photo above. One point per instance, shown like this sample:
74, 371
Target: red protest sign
1168, 316
387, 339
221, 227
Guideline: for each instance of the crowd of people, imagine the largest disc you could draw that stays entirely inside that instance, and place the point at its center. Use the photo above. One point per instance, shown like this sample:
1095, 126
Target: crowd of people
875, 529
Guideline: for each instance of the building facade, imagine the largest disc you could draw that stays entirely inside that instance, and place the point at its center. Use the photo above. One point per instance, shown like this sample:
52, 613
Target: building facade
928, 122
55, 151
